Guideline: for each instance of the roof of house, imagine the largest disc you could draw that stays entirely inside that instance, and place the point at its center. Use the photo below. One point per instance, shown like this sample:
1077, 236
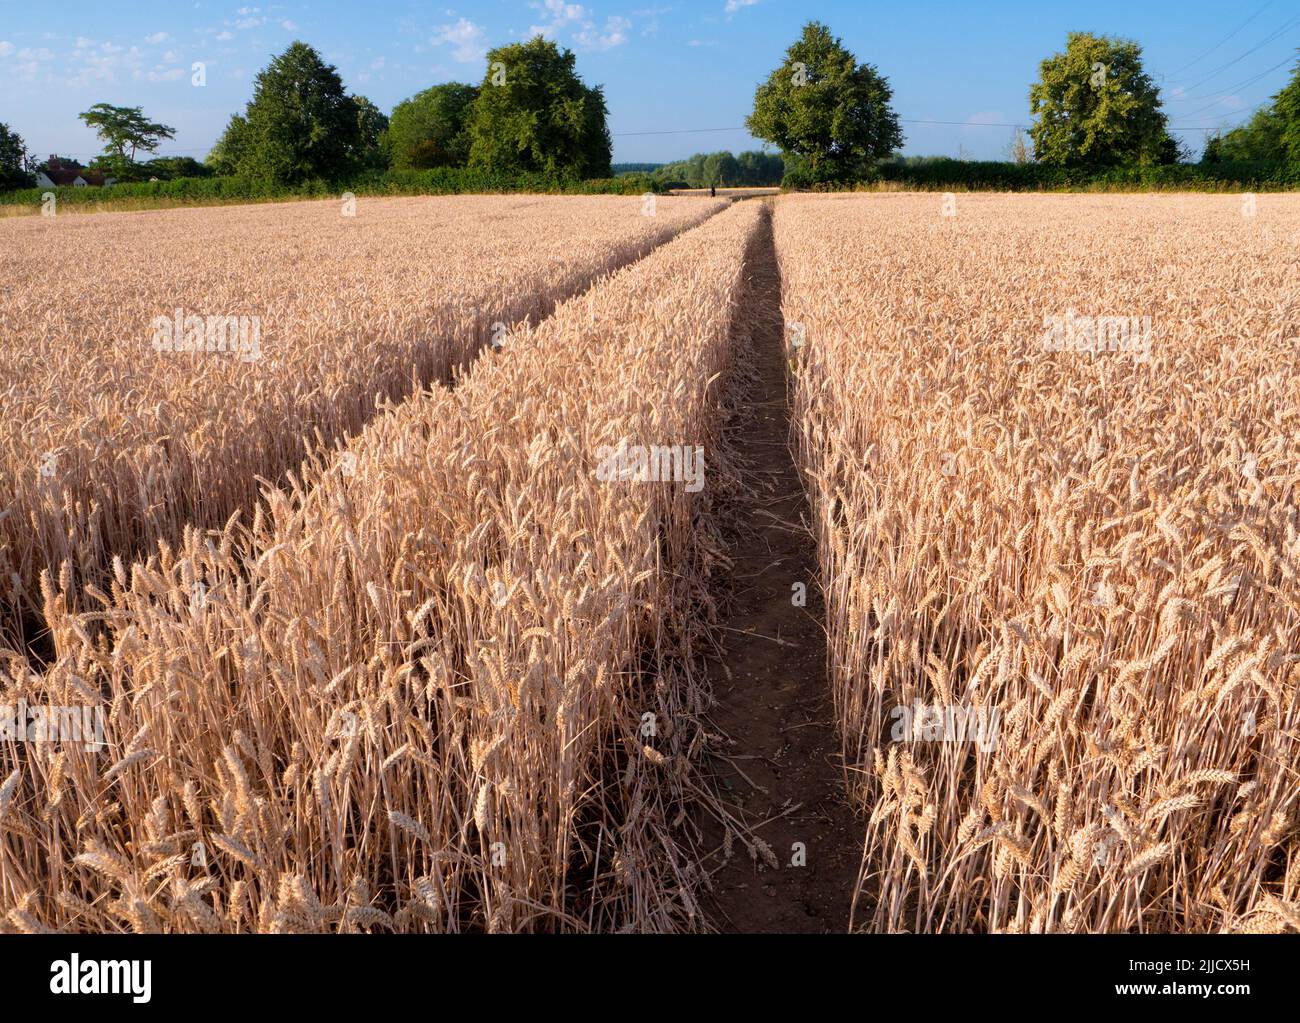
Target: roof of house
61, 175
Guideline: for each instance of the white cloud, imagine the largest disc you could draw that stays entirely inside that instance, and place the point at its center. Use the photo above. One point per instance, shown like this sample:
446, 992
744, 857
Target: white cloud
6, 47
468, 41
224, 37
614, 34
577, 20
159, 75
734, 5
378, 65
288, 26
244, 23
650, 16
91, 61
156, 38
561, 15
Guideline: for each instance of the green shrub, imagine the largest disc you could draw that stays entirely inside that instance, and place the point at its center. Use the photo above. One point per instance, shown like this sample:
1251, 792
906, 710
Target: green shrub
434, 181
970, 175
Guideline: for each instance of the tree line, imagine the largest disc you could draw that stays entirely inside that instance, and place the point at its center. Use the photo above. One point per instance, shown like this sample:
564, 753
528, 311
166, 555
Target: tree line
829, 116
1093, 105
722, 169
530, 114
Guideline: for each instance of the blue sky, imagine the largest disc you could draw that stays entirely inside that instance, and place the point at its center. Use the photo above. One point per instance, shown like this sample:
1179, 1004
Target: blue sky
666, 66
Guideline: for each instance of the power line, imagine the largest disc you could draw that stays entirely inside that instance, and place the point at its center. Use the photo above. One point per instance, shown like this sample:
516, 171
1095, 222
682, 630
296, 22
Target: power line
1233, 89
676, 131
1200, 57
964, 124
902, 120
156, 156
1223, 67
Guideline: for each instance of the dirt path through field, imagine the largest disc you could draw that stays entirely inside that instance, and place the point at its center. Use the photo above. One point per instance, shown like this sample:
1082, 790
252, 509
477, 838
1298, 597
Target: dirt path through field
782, 774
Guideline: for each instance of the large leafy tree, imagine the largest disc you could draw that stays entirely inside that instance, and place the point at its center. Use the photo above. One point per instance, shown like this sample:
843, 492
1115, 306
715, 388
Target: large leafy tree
122, 129
824, 107
533, 113
300, 124
431, 129
1094, 104
13, 159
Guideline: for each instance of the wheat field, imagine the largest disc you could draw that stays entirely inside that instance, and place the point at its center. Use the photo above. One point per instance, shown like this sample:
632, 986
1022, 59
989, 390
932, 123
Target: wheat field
109, 444
408, 693
402, 624
1095, 541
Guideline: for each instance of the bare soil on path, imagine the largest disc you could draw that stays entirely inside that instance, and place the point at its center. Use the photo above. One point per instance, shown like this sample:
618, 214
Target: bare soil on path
781, 774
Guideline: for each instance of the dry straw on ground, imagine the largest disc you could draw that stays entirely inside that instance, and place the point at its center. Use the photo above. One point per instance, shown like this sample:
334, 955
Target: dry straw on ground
1101, 547
107, 445
411, 694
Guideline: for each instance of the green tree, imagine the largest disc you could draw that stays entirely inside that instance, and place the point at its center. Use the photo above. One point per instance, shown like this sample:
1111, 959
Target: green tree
13, 159
533, 113
120, 128
300, 123
165, 168
431, 129
230, 150
1272, 133
759, 168
372, 127
1095, 105
1286, 105
704, 169
824, 107
1259, 139
721, 169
